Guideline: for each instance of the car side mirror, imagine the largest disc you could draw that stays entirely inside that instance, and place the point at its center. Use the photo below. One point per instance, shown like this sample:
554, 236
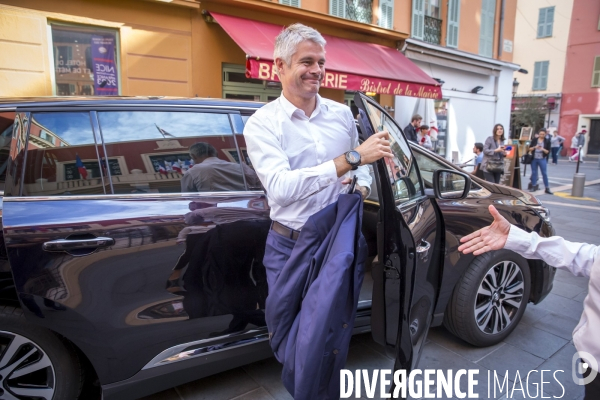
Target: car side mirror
451, 184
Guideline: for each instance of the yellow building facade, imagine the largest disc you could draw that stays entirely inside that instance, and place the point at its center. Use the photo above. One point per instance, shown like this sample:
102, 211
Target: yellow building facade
175, 48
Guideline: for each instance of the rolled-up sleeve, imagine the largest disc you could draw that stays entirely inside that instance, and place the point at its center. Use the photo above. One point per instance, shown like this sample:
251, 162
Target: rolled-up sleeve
283, 185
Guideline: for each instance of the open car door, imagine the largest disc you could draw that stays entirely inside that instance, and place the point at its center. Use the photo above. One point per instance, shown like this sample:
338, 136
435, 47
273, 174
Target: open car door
406, 276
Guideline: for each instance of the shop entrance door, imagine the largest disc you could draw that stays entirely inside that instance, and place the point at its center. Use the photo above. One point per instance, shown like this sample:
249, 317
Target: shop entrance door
594, 143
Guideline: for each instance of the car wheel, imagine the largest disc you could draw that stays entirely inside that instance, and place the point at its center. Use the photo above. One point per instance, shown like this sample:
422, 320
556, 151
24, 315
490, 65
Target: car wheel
34, 362
490, 298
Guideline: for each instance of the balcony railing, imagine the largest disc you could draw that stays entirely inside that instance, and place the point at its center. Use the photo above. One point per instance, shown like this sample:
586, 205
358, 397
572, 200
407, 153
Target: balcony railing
433, 30
360, 10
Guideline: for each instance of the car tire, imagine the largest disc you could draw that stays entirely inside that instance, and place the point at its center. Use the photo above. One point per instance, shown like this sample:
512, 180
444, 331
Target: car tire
483, 309
42, 363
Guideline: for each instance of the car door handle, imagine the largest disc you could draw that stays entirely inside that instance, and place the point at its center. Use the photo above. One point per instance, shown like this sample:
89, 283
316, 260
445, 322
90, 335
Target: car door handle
76, 244
423, 248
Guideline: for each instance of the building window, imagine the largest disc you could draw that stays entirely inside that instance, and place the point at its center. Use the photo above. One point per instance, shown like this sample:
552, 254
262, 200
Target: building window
85, 61
426, 22
293, 3
356, 10
453, 23
486, 32
432, 8
237, 87
540, 75
596, 73
545, 22
386, 14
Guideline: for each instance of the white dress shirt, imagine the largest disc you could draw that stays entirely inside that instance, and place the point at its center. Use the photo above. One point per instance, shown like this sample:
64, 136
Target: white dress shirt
580, 259
293, 156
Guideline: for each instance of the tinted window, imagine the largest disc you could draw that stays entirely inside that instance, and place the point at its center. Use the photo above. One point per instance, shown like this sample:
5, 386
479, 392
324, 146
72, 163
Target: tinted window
150, 152
428, 164
61, 156
402, 171
6, 131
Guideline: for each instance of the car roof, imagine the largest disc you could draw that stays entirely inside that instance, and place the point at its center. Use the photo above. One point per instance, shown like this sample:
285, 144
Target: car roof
104, 101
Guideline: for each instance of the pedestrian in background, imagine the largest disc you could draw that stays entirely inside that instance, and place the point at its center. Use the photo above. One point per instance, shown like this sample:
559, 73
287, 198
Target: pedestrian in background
540, 149
581, 259
478, 151
493, 155
556, 141
577, 142
411, 129
423, 138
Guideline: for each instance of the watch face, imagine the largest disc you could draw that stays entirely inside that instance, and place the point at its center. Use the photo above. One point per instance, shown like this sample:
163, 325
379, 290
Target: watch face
353, 157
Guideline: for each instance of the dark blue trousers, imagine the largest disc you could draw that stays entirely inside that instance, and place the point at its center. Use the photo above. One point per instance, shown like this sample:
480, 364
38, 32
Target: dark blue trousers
542, 164
314, 284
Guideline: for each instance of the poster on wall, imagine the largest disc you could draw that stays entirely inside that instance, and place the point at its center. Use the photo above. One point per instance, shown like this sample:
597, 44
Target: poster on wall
104, 66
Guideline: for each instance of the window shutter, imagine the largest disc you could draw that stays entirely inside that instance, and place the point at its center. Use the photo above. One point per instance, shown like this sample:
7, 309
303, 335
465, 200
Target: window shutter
549, 21
596, 73
486, 32
540, 75
544, 75
337, 8
418, 19
386, 14
536, 76
453, 23
541, 23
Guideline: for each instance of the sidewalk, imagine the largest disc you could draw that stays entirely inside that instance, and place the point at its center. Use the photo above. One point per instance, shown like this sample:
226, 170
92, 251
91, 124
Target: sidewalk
542, 340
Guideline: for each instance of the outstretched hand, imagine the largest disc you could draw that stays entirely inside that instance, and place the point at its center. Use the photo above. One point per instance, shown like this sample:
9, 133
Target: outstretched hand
491, 237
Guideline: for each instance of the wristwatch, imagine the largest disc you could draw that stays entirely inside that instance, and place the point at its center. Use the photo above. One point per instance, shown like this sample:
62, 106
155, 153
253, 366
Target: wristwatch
353, 158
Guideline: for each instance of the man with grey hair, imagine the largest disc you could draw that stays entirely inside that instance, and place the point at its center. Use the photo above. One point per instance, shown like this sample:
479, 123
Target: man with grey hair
211, 174
305, 150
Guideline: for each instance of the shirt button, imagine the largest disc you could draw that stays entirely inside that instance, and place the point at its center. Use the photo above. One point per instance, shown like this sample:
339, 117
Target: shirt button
335, 351
345, 326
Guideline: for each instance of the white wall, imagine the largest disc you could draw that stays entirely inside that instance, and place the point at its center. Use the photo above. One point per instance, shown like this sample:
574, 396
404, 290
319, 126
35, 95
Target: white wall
471, 117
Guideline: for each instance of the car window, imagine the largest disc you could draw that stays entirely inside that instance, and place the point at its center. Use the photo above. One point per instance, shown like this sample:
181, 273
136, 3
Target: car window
428, 164
61, 156
152, 152
7, 120
401, 169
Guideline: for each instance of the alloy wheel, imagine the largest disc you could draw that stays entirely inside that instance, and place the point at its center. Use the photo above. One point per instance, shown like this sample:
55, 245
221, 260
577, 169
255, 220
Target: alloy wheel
26, 371
499, 297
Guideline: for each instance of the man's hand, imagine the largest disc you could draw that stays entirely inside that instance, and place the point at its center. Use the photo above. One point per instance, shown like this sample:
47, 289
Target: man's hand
363, 190
491, 237
375, 147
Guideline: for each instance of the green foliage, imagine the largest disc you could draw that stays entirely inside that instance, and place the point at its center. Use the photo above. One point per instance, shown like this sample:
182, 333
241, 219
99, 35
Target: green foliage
530, 111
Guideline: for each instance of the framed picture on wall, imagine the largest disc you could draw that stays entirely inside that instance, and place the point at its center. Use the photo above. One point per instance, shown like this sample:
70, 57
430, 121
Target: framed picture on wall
526, 133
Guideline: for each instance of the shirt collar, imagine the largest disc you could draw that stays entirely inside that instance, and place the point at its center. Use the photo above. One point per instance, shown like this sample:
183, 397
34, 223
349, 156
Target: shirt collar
290, 109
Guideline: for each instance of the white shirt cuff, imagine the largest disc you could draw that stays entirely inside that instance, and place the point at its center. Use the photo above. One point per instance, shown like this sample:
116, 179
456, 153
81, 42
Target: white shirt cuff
518, 240
327, 174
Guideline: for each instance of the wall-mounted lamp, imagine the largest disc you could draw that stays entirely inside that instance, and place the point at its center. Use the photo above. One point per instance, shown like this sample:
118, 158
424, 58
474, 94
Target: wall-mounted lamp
515, 87
476, 89
438, 80
271, 85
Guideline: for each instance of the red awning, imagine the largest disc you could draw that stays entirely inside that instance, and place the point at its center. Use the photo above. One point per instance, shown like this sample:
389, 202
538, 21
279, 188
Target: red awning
350, 65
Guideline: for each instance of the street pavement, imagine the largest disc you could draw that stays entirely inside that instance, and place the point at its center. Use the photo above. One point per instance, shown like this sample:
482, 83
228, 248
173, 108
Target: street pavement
542, 341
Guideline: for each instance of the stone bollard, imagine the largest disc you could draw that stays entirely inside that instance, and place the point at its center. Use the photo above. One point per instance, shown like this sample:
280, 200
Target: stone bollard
578, 185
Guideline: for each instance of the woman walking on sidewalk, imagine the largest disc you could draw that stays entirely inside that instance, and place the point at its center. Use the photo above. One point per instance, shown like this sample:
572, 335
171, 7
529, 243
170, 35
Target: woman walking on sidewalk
540, 149
556, 141
493, 150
